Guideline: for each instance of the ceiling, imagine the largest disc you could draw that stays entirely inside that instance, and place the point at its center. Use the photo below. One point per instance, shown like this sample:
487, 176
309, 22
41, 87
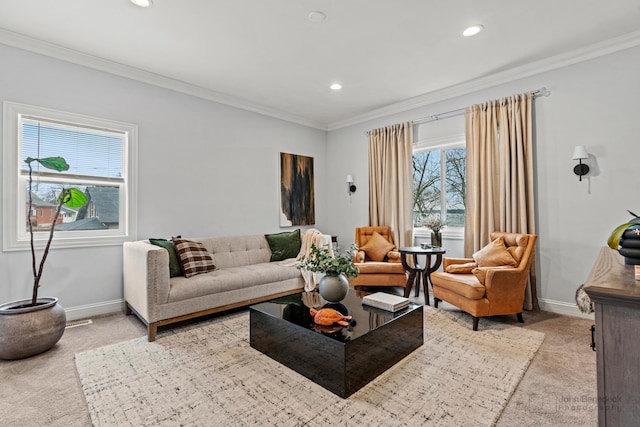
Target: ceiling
266, 56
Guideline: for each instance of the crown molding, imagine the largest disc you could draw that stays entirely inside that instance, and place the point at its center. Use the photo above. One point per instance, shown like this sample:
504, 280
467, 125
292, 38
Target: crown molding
596, 50
30, 44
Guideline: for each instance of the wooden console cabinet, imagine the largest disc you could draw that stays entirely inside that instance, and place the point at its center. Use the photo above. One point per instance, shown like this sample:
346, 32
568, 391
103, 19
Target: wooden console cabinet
616, 294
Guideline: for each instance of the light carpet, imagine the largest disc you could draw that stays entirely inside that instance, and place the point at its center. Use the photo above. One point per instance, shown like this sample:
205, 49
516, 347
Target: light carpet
208, 374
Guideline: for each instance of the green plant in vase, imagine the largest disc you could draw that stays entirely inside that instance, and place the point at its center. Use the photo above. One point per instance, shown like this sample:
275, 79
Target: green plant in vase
29, 327
334, 286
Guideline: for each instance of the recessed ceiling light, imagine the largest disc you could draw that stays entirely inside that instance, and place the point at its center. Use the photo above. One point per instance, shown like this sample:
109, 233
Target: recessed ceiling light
142, 3
336, 86
317, 16
472, 30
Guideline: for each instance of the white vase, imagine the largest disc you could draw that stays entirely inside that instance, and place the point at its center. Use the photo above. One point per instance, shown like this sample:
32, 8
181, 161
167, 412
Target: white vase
333, 288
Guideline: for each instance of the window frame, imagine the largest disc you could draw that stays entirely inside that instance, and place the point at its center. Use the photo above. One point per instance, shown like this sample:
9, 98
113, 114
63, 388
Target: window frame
444, 143
14, 195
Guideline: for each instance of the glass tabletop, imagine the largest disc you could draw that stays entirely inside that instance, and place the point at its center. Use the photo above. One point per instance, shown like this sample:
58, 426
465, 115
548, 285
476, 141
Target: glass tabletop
296, 309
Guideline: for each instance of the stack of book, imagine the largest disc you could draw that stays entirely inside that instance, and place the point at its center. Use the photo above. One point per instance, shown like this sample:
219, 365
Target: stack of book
386, 301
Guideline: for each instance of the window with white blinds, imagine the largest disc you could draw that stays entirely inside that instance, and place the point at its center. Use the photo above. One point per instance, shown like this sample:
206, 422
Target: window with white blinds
101, 155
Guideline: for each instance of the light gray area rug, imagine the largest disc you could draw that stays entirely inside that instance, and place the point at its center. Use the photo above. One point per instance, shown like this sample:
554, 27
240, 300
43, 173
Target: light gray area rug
208, 374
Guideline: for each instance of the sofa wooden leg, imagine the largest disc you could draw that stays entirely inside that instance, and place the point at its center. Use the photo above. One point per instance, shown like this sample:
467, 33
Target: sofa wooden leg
520, 319
475, 323
152, 328
435, 302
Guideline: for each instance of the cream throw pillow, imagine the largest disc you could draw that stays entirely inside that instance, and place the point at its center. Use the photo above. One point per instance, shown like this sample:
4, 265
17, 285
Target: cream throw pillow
495, 254
377, 247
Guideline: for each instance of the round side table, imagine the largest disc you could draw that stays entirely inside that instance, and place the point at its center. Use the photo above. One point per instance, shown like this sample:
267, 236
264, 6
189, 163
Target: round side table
420, 273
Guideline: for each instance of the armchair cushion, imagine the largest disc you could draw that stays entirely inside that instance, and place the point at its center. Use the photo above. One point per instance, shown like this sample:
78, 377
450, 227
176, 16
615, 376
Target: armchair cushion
494, 254
377, 247
373, 267
465, 268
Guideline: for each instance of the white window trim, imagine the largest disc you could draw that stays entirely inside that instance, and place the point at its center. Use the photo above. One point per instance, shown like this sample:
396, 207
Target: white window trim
13, 197
447, 142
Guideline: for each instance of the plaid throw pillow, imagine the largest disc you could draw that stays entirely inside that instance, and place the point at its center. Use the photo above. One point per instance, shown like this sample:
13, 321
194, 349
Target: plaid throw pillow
194, 258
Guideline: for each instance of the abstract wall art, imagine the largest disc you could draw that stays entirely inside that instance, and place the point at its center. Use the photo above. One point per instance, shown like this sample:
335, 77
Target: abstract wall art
297, 205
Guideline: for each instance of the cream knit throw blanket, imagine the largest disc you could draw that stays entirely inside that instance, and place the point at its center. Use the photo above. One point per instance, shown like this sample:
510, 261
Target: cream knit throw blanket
310, 237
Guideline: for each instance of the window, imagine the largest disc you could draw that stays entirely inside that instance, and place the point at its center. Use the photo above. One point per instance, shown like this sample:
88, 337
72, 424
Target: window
439, 183
101, 154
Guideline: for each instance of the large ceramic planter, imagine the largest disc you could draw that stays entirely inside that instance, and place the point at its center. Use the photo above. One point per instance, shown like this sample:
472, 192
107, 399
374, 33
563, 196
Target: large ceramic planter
26, 331
333, 288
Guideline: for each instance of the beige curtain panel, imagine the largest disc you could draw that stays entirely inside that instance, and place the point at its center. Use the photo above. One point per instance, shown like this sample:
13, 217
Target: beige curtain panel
390, 180
500, 174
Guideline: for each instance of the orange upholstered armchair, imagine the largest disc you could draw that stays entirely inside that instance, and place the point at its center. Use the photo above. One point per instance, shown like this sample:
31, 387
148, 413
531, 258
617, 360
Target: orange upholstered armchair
378, 259
493, 282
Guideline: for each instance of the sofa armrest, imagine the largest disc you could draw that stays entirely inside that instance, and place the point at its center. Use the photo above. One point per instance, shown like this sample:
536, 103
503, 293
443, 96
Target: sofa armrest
146, 277
359, 257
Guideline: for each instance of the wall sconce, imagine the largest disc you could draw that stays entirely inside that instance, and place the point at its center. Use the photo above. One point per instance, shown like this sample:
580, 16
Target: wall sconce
579, 153
351, 188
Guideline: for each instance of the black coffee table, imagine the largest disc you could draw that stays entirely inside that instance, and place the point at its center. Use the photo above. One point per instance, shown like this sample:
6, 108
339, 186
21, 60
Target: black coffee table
342, 360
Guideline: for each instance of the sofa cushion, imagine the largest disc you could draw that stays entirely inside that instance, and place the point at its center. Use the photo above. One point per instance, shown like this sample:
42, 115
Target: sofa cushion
494, 254
230, 279
284, 245
174, 262
193, 256
377, 247
465, 268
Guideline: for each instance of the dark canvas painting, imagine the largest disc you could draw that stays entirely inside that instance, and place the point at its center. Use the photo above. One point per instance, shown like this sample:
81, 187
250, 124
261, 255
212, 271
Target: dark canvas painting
297, 206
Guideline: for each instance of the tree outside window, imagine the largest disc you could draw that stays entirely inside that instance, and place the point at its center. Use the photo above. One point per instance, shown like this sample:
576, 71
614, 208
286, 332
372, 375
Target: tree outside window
439, 185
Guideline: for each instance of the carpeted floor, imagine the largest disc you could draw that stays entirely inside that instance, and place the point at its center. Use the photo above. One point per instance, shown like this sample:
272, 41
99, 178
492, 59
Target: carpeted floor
45, 390
457, 378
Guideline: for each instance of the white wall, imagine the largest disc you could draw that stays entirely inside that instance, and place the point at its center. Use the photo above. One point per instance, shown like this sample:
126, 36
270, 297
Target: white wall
210, 169
593, 103
204, 169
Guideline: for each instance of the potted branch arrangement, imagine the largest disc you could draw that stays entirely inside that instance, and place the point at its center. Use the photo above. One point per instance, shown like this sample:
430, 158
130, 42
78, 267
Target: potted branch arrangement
32, 326
435, 224
333, 287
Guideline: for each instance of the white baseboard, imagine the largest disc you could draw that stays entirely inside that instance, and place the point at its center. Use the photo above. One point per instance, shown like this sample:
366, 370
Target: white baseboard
90, 310
561, 307
108, 307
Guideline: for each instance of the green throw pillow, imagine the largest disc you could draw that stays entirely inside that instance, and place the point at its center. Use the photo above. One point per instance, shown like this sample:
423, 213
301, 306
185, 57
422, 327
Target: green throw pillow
284, 245
174, 262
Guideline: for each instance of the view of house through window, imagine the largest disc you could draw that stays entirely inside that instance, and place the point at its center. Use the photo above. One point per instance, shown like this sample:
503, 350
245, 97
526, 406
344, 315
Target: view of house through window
96, 163
439, 185
101, 155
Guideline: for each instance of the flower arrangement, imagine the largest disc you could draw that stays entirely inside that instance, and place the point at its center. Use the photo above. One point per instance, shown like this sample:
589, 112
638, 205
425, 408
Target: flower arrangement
435, 223
320, 261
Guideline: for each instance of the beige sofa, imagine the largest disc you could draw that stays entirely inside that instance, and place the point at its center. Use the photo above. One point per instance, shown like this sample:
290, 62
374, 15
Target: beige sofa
243, 276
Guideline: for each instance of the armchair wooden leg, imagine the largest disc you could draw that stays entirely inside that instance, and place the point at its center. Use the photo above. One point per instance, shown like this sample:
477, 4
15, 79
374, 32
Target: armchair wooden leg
475, 323
435, 302
520, 319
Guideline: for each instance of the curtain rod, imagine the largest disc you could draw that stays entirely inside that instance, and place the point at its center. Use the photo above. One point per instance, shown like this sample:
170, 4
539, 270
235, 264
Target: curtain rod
543, 91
